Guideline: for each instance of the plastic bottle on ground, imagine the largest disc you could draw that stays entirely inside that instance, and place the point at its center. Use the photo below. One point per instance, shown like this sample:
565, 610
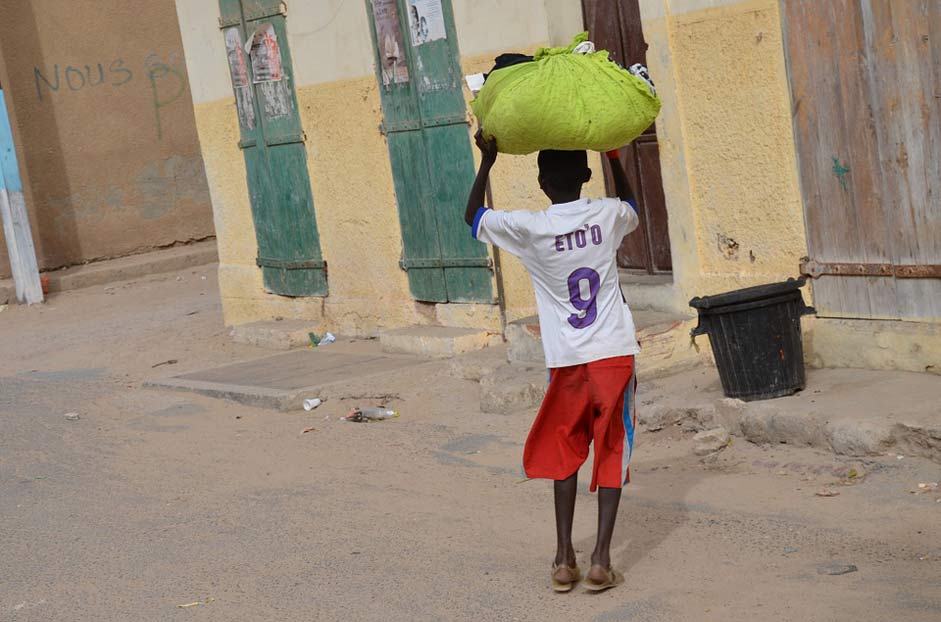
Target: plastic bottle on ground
376, 413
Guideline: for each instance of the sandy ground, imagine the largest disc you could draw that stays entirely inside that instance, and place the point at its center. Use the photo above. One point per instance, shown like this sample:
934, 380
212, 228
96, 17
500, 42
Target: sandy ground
153, 499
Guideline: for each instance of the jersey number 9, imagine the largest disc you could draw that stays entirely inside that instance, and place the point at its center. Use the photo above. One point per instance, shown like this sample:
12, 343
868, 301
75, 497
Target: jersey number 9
587, 307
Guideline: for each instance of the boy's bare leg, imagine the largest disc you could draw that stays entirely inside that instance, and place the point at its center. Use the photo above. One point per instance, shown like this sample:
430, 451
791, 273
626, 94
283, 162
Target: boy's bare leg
565, 491
608, 500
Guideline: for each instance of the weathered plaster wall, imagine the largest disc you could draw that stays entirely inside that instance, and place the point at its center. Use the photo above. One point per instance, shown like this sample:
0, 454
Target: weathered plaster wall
726, 143
873, 344
106, 134
349, 165
730, 175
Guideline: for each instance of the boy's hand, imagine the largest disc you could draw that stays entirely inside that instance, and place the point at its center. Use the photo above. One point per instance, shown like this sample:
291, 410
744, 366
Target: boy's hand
621, 185
488, 148
488, 155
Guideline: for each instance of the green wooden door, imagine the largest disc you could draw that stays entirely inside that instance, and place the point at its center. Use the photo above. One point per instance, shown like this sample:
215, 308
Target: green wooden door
272, 141
425, 124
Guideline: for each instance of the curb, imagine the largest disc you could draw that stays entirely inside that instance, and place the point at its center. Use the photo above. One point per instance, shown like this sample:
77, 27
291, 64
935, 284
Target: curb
123, 268
762, 423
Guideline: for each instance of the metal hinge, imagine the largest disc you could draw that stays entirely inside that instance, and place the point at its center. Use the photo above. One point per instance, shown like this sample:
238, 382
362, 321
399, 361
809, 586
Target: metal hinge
446, 262
402, 126
815, 269
286, 139
291, 264
411, 126
451, 119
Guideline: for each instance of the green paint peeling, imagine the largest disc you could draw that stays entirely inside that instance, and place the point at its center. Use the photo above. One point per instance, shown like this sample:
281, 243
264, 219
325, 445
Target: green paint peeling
840, 171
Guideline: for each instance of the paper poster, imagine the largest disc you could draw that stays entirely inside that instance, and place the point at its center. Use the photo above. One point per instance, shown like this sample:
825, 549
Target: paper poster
233, 49
389, 42
266, 55
426, 21
239, 74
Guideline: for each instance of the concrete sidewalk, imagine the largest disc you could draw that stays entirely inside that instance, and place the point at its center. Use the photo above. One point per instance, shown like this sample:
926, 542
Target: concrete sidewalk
153, 499
122, 268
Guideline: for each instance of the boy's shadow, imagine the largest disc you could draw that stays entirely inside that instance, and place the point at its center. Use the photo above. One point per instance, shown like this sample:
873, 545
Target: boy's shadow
644, 521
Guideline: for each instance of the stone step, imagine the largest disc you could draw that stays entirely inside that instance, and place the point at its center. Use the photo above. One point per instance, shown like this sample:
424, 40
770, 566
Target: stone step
275, 334
96, 273
437, 341
664, 340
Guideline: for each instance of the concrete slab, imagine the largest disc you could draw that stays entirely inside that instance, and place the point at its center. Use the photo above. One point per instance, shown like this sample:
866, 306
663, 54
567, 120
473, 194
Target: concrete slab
275, 334
123, 268
282, 381
437, 341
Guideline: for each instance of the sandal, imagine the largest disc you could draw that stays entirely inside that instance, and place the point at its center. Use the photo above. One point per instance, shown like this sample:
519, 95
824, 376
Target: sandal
565, 584
612, 578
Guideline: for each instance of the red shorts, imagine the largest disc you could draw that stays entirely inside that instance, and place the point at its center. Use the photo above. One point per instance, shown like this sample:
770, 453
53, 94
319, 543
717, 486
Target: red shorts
593, 401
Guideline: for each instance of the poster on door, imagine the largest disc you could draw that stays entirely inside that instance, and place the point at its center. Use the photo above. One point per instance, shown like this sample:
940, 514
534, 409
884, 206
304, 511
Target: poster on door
266, 56
426, 21
389, 41
239, 73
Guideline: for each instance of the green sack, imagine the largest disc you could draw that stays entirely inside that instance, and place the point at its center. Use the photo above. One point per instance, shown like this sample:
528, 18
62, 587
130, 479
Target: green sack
564, 100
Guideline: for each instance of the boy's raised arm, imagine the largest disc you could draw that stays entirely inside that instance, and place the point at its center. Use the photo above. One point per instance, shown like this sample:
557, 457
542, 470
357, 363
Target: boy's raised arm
488, 155
621, 186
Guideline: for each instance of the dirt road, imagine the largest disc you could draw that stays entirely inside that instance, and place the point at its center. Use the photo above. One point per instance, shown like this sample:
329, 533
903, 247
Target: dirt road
153, 499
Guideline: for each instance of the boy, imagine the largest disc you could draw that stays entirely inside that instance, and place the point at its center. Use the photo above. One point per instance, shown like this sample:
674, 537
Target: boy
588, 335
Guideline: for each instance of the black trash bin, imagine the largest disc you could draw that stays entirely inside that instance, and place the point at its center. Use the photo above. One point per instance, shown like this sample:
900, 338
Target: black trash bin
755, 335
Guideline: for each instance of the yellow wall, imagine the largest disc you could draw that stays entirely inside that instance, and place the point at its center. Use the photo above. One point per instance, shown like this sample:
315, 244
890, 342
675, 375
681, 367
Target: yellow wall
726, 143
350, 173
726, 146
730, 172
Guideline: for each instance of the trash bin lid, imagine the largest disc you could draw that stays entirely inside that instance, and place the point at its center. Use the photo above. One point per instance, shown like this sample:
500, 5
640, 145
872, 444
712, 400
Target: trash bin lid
748, 294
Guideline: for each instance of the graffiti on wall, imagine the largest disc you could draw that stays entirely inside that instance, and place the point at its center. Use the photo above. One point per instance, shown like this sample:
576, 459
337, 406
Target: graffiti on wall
166, 80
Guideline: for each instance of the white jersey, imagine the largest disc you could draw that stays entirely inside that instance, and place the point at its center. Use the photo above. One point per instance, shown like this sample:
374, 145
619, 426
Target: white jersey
570, 253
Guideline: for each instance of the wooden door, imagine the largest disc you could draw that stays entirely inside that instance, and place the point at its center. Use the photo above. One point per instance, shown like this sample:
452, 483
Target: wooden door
272, 142
425, 124
865, 79
614, 25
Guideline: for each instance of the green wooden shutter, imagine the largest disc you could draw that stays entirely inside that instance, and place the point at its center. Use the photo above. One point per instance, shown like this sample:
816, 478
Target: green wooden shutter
425, 124
272, 141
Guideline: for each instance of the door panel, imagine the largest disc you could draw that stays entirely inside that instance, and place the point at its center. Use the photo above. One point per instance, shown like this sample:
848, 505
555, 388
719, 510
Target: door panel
655, 207
401, 125
634, 252
425, 123
868, 137
419, 223
615, 25
272, 142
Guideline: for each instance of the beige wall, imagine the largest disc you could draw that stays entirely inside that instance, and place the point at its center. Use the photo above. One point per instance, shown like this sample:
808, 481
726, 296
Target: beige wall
730, 173
726, 143
348, 160
105, 128
726, 147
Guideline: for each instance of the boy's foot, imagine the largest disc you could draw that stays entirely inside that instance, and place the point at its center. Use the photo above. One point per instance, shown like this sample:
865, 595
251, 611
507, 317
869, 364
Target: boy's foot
600, 578
564, 577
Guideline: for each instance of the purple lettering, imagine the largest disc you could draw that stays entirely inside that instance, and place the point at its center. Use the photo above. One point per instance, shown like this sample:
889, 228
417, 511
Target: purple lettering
558, 243
588, 307
580, 239
568, 238
595, 235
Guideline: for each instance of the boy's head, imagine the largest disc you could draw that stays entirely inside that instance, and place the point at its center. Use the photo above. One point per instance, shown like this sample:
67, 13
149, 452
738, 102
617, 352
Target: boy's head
562, 173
